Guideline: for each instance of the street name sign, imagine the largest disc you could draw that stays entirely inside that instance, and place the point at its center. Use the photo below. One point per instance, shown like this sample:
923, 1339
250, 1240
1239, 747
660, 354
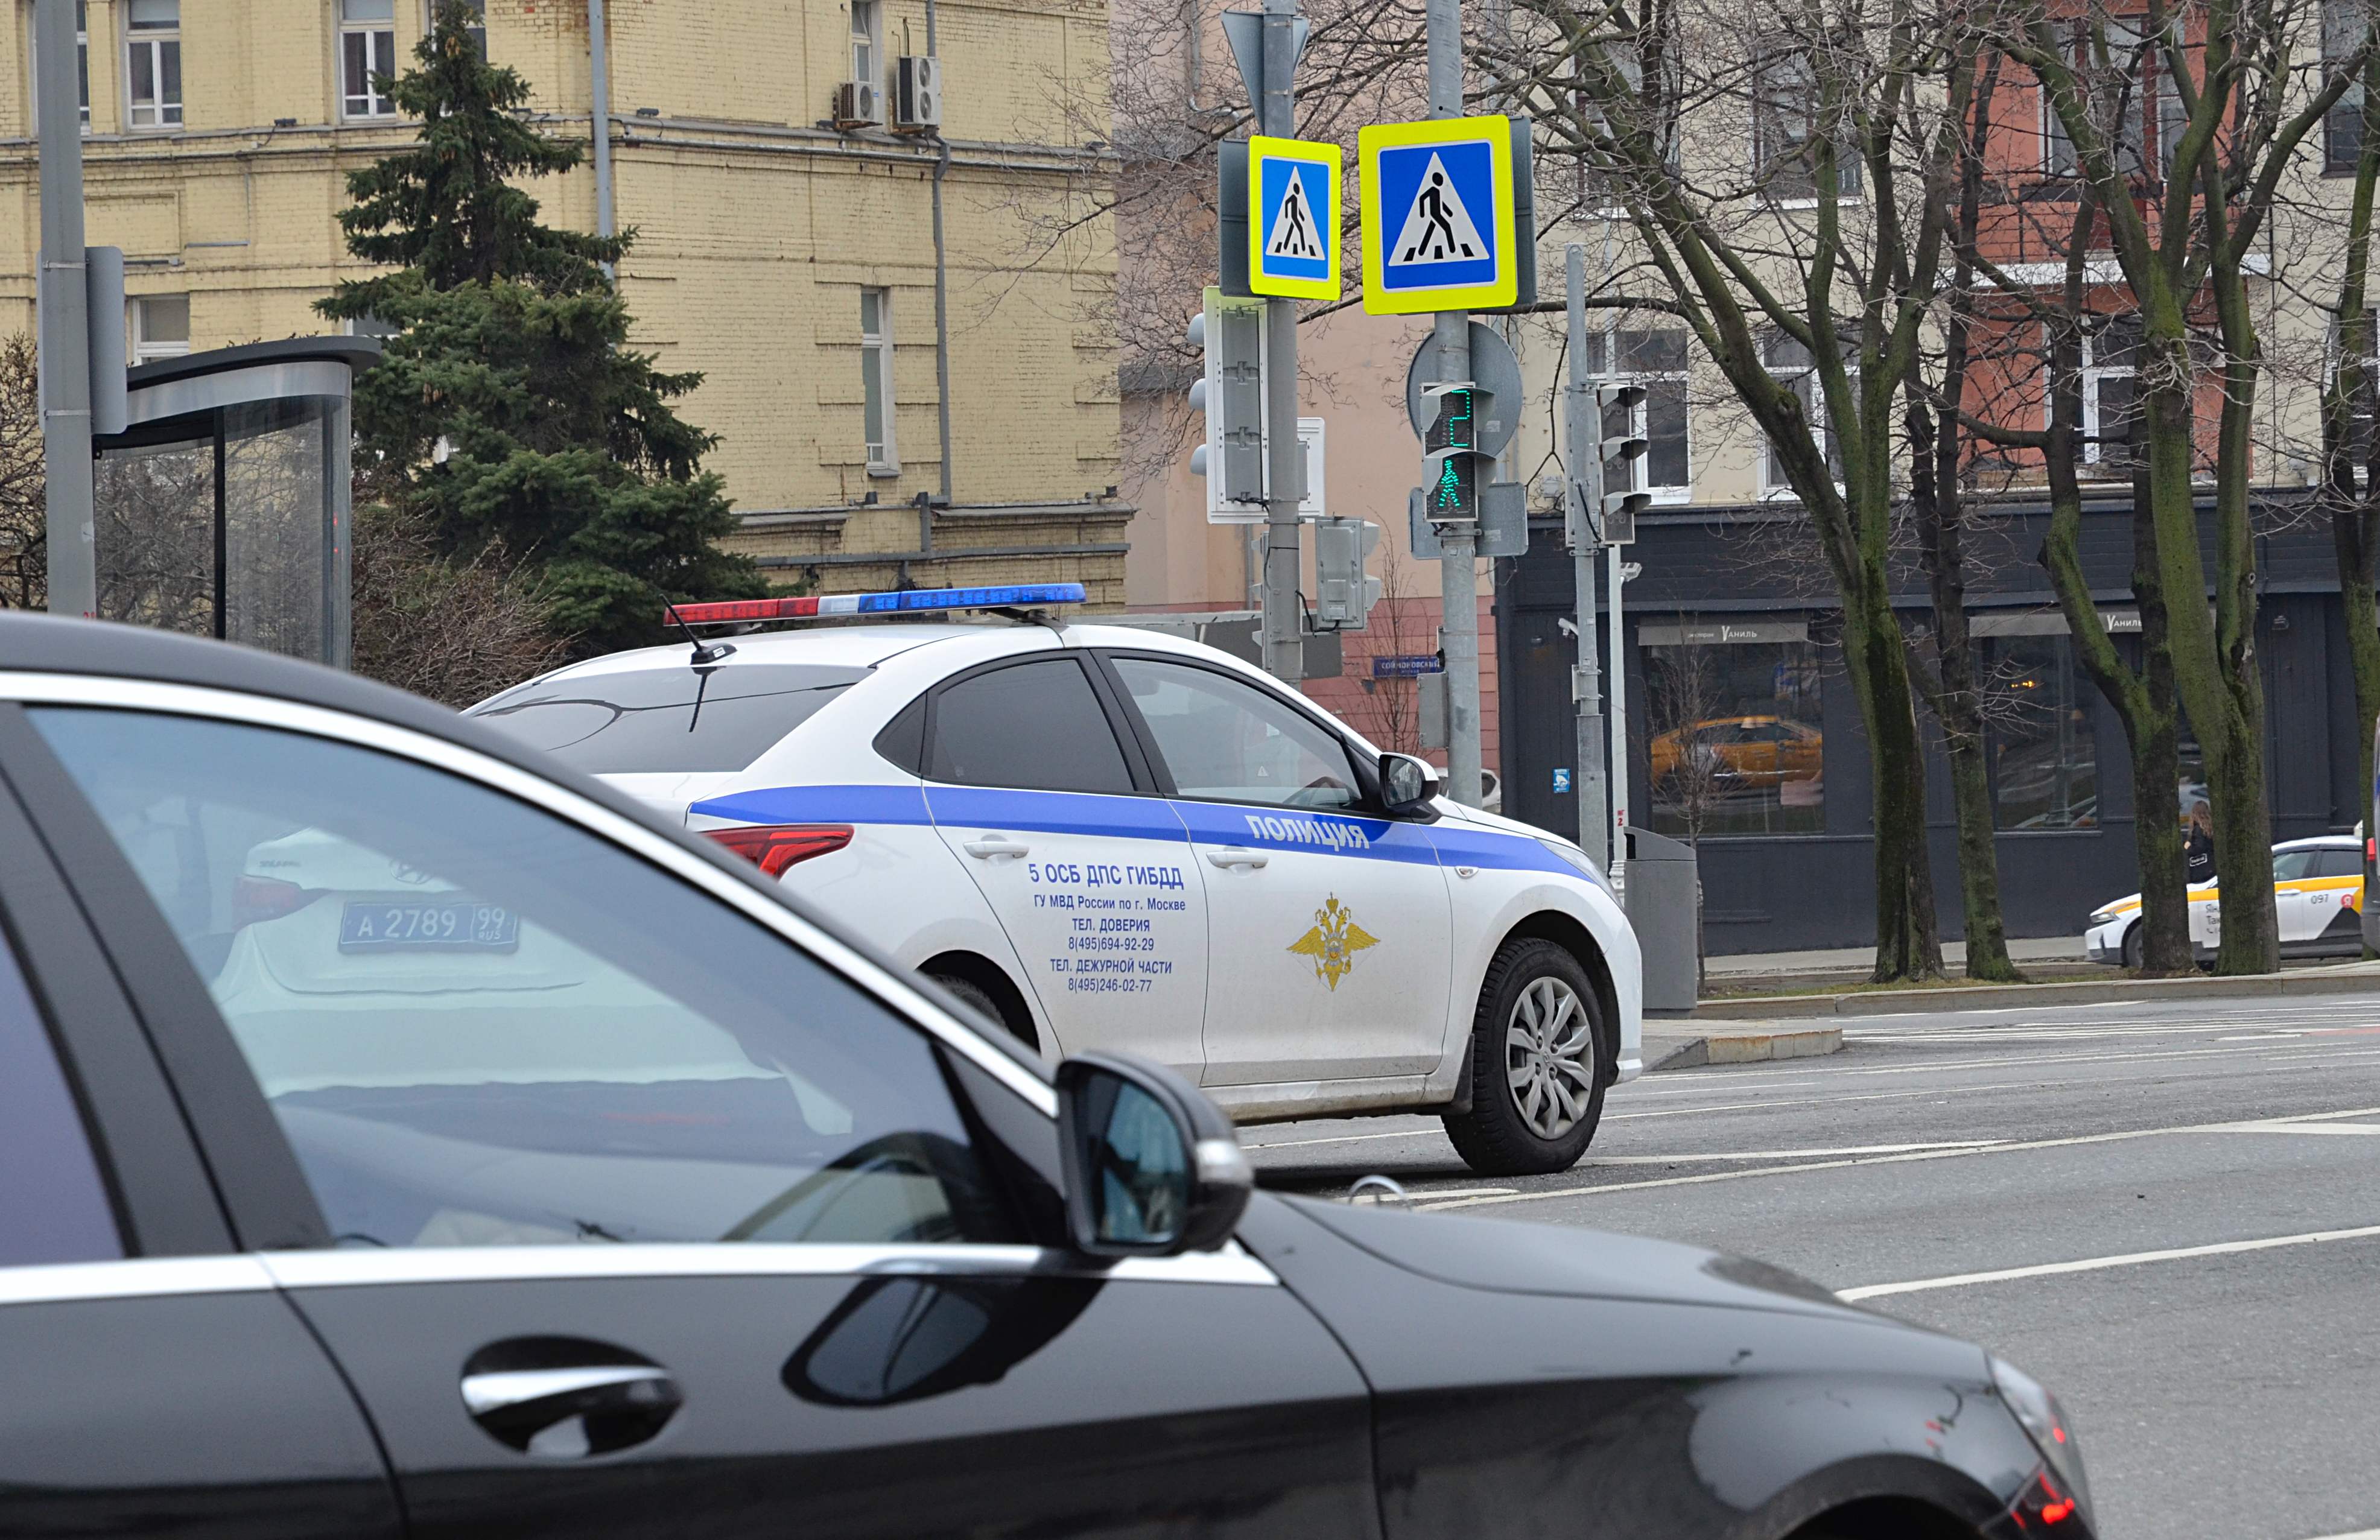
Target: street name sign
1293, 217
1440, 226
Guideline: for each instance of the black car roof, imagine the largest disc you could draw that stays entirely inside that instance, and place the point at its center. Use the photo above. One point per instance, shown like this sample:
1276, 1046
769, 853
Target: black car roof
49, 644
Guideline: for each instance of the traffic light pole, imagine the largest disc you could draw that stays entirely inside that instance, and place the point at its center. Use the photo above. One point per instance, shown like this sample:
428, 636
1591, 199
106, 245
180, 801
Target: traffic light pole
1284, 641
64, 317
1583, 489
1458, 570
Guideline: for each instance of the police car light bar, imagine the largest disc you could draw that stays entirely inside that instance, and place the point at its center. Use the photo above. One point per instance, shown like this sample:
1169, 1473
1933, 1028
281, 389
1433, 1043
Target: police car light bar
897, 603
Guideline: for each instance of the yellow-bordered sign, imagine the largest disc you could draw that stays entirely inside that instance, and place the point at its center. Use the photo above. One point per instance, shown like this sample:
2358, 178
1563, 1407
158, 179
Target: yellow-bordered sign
1293, 217
1438, 216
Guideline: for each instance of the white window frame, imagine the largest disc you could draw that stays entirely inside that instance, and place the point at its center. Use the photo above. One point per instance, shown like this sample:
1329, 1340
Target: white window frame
1851, 172
1773, 487
148, 349
1610, 373
155, 41
1632, 69
380, 58
867, 41
2094, 374
876, 354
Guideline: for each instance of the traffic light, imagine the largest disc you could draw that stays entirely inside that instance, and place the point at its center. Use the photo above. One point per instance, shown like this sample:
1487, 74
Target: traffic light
1609, 515
1452, 459
1345, 591
1231, 393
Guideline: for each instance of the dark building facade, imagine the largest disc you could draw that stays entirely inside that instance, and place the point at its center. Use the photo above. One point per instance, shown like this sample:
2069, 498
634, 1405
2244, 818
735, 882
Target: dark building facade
1744, 737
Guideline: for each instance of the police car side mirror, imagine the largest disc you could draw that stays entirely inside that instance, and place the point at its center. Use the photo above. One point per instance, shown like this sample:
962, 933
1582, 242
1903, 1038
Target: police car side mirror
1407, 784
1152, 1168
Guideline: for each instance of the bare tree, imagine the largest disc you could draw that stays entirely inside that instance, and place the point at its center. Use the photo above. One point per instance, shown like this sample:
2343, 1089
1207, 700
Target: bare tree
24, 517
455, 630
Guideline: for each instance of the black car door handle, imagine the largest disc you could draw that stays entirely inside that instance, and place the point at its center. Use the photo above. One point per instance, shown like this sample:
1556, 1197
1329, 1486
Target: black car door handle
568, 1411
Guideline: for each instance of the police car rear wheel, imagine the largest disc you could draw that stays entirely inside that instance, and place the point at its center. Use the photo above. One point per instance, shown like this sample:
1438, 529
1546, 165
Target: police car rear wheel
1537, 1085
2132, 947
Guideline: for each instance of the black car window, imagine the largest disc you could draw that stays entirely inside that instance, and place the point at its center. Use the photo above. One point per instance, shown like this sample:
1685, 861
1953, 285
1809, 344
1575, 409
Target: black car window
480, 1024
2338, 861
1231, 742
682, 720
2288, 866
53, 1204
1031, 724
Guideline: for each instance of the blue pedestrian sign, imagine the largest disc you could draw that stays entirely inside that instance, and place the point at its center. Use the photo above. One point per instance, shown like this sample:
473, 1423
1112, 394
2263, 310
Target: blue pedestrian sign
1438, 216
1293, 217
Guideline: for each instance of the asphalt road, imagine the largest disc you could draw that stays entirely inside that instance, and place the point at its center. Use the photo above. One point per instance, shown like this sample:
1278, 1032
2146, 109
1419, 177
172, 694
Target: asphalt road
2228, 1393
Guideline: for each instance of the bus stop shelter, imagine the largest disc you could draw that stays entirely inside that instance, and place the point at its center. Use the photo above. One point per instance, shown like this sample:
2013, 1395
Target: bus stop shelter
223, 509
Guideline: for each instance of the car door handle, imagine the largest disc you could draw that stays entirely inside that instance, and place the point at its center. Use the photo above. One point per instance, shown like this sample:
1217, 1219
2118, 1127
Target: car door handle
995, 847
571, 1411
1237, 855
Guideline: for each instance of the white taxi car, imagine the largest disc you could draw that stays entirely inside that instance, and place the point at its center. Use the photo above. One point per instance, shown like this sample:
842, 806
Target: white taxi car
2317, 894
1106, 837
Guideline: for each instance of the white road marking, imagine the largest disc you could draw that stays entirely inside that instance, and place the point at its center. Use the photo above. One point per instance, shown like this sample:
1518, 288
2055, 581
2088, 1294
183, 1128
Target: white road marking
2094, 1264
1783, 1154
2359, 1534
1344, 1139
1595, 1190
2261, 1038
2297, 1128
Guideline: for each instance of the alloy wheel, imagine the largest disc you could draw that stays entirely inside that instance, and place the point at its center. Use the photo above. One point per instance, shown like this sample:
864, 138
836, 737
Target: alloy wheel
1549, 1057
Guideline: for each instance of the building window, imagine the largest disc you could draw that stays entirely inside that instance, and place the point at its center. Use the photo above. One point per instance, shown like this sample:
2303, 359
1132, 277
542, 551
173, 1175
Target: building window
2045, 756
367, 51
2344, 23
1737, 741
1655, 359
1605, 194
1790, 363
876, 379
866, 41
82, 66
2111, 353
1785, 131
2138, 71
160, 326
152, 64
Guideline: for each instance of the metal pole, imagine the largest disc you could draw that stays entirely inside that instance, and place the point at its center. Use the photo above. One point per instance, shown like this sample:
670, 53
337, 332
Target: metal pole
599, 76
1284, 643
1618, 692
1457, 570
64, 318
1583, 488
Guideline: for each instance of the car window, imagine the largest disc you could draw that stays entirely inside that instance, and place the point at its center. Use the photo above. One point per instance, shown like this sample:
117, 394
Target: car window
665, 719
2290, 865
1231, 742
480, 1024
53, 1204
1035, 724
2339, 863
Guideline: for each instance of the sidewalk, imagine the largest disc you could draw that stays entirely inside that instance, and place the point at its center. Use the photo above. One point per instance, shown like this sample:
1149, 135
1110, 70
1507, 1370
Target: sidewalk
1752, 966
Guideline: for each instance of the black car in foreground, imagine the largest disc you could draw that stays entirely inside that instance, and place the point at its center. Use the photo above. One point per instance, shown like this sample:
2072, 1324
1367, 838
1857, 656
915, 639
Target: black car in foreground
402, 1136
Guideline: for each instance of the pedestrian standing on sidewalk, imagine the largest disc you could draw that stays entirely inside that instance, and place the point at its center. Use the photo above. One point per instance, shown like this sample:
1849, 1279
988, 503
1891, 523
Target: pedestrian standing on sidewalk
2198, 844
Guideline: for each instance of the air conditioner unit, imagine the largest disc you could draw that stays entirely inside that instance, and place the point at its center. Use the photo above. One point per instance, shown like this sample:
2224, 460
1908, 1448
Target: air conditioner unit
856, 106
917, 95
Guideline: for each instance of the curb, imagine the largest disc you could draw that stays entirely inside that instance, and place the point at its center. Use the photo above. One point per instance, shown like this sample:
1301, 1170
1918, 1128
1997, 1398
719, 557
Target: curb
1745, 1048
1880, 1002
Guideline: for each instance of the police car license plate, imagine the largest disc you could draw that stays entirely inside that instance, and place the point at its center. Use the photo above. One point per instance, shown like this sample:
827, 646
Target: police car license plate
453, 925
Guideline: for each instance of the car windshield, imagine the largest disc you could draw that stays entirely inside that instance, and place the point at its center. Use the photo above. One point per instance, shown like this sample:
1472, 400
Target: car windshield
666, 720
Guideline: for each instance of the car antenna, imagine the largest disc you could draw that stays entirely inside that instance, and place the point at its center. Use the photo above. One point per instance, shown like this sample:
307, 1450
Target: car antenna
705, 653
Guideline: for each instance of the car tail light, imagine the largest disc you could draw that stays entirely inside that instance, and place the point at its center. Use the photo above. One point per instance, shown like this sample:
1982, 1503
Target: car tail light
257, 899
774, 846
2372, 849
2044, 1507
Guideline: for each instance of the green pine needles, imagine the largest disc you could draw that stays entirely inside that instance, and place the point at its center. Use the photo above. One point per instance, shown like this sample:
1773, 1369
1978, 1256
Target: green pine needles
509, 412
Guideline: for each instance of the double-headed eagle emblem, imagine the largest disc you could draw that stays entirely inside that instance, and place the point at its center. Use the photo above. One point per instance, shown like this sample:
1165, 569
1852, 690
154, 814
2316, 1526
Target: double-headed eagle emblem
1333, 942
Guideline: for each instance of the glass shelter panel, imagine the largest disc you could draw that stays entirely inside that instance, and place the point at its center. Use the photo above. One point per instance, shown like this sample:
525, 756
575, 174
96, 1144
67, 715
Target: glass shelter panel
155, 534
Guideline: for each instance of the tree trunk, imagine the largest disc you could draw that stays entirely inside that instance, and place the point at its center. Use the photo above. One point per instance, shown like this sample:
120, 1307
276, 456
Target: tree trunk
1908, 947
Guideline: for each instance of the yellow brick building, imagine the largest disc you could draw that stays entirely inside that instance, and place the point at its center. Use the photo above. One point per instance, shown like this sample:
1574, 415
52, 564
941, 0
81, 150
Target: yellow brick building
791, 260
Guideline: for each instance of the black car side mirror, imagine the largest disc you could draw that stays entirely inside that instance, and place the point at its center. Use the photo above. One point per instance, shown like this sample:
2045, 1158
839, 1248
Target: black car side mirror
1152, 1168
1407, 785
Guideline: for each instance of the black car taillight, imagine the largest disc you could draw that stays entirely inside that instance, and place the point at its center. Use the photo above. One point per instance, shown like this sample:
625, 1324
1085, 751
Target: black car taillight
774, 846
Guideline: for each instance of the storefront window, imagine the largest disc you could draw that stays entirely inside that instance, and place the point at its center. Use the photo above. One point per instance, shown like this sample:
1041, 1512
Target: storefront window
2044, 757
1736, 743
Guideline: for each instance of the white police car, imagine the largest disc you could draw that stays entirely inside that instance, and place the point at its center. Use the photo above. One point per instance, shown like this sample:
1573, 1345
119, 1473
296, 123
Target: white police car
1109, 838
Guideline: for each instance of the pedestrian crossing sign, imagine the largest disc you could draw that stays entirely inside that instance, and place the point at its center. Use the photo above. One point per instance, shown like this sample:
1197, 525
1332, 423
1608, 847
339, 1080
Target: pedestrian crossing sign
1293, 217
1438, 217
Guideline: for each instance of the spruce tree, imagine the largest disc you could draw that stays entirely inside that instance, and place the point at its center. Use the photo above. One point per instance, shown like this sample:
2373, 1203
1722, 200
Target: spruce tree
509, 410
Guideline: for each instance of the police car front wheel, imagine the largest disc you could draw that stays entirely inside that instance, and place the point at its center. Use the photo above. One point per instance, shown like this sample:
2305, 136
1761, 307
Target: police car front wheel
1537, 1086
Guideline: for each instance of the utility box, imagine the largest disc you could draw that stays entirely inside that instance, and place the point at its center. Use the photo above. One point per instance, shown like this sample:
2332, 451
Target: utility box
1665, 909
